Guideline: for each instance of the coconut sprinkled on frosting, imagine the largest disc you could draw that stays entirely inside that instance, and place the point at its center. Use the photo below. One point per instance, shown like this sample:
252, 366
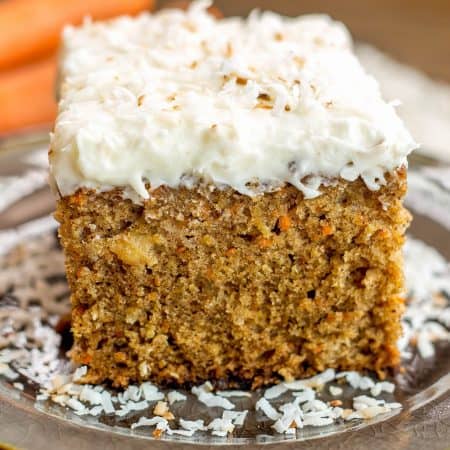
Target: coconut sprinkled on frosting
176, 97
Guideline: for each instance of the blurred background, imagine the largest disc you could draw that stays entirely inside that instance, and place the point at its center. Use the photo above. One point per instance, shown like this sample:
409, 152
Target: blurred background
404, 43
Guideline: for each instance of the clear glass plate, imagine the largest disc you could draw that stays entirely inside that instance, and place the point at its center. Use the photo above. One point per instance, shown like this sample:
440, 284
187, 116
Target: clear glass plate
423, 388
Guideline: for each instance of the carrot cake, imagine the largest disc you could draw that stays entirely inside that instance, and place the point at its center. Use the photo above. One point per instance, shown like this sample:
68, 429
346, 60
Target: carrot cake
230, 200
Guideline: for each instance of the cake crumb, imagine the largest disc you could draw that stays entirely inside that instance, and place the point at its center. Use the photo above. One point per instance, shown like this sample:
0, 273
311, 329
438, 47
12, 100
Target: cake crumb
336, 402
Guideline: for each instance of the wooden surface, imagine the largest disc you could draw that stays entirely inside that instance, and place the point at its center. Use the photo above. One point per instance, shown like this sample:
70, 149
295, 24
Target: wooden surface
414, 31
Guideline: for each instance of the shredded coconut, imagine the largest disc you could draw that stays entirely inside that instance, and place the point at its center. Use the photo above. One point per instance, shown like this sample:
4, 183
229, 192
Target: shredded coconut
205, 396
193, 425
234, 393
149, 422
175, 396
263, 405
275, 391
336, 391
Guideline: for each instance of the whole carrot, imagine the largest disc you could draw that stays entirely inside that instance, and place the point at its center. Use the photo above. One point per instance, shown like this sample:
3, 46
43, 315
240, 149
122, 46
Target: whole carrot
30, 29
27, 96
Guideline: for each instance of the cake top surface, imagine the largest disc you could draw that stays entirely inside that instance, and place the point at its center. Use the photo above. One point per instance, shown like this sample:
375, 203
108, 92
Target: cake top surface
254, 103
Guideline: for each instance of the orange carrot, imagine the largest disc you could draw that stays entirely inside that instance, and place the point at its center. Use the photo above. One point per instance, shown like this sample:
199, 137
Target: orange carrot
27, 96
30, 29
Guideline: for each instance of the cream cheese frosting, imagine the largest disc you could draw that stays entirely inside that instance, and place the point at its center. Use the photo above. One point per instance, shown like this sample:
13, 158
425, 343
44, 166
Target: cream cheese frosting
252, 104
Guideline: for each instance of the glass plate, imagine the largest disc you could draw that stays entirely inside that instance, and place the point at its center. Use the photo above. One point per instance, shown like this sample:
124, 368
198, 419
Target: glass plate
424, 388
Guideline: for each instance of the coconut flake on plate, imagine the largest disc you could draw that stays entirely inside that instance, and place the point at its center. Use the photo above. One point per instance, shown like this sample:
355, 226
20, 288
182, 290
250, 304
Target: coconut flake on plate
364, 401
335, 391
263, 405
394, 405
107, 402
314, 405
382, 386
275, 391
74, 404
234, 393
162, 409
7, 372
221, 426
292, 418
318, 418
151, 392
366, 383
368, 412
90, 395
204, 395
96, 410
149, 422
425, 346
132, 393
336, 412
236, 417
356, 380
193, 425
306, 395
42, 397
180, 431
79, 373
317, 381
130, 406
175, 396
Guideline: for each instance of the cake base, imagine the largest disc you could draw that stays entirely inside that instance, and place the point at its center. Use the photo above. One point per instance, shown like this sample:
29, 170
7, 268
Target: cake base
203, 284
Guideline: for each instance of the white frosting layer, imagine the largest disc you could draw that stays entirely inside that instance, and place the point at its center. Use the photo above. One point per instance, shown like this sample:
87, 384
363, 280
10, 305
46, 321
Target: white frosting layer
177, 96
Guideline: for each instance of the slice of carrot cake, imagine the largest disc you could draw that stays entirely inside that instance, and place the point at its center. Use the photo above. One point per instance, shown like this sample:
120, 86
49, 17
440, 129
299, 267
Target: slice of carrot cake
230, 200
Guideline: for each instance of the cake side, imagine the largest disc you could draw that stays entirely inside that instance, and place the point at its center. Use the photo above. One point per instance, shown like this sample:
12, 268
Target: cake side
199, 284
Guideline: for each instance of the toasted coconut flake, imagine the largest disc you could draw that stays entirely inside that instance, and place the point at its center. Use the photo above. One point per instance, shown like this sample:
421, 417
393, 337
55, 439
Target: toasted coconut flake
160, 409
